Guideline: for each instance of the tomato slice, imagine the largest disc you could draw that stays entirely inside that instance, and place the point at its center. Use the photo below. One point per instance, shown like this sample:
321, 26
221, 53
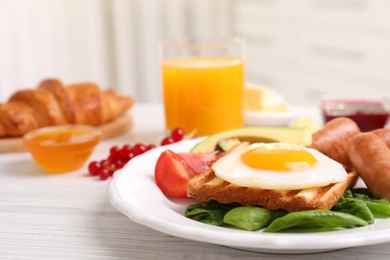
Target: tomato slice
173, 170
171, 175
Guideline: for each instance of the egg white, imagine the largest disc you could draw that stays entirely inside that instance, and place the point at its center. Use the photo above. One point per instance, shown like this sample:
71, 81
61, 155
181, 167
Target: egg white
326, 171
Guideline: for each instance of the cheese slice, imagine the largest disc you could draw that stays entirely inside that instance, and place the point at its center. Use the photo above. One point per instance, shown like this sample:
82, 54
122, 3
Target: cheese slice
263, 99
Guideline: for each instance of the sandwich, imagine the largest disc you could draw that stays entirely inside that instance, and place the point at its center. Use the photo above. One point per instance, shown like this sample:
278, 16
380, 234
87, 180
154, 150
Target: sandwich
274, 176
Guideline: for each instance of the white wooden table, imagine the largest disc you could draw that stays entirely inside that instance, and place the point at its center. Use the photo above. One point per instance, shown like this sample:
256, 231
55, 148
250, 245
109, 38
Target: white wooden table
68, 216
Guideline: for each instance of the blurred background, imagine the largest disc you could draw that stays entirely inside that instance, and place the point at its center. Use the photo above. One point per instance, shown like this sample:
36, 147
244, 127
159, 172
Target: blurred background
301, 48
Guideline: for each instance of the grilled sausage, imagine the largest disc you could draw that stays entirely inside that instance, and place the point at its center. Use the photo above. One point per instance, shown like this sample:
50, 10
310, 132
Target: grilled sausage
384, 134
371, 158
333, 139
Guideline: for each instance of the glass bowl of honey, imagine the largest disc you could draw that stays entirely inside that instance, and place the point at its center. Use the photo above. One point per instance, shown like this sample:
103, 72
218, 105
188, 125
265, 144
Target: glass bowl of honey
369, 111
63, 148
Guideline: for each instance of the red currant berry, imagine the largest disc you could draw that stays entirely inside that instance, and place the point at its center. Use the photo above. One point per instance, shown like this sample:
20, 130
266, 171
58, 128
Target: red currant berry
115, 151
167, 140
177, 134
120, 164
131, 156
139, 149
94, 168
104, 173
150, 147
111, 165
125, 151
119, 161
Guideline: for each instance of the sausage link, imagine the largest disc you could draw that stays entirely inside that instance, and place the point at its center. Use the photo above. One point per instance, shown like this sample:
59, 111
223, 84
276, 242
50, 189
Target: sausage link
371, 158
333, 139
384, 134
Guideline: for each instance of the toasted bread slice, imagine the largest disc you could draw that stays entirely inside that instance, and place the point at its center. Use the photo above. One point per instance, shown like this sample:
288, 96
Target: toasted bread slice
206, 186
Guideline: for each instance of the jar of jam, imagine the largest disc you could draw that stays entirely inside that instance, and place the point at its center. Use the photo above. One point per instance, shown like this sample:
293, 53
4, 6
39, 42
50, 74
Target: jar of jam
368, 111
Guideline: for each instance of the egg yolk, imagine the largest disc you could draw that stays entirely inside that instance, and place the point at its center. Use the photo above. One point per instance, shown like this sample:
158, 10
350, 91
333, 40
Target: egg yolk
279, 157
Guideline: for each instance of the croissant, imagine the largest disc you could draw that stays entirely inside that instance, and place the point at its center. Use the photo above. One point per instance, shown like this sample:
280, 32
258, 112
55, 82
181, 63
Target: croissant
52, 103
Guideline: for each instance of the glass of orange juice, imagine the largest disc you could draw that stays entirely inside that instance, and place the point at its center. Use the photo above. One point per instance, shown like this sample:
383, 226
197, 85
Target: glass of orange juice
203, 81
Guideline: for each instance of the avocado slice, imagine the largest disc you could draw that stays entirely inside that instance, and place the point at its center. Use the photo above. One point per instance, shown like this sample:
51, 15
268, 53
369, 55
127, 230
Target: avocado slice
226, 144
253, 134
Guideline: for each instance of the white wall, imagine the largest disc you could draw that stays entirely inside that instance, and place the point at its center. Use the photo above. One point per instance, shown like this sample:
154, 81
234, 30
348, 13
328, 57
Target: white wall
111, 42
305, 48
301, 48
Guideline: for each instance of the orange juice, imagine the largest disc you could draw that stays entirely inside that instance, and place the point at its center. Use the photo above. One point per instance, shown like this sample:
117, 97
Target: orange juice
203, 95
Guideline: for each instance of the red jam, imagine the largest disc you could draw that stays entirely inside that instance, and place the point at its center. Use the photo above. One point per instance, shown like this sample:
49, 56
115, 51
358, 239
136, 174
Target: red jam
368, 114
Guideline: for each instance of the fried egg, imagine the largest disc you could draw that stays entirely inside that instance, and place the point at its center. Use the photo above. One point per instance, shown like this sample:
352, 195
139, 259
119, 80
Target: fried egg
279, 166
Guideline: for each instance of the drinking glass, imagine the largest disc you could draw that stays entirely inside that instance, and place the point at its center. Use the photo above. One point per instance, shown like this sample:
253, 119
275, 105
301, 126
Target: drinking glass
202, 83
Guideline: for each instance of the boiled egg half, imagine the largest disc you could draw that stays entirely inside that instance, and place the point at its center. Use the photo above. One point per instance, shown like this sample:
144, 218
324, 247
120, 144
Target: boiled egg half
279, 166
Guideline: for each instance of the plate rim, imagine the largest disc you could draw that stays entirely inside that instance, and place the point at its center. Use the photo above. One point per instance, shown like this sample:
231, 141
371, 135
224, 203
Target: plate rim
248, 240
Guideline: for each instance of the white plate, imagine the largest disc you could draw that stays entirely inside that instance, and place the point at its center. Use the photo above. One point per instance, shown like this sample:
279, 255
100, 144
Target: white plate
253, 118
133, 192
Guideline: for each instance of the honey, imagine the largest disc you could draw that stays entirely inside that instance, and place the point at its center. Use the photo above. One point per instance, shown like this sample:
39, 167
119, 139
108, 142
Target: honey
61, 148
